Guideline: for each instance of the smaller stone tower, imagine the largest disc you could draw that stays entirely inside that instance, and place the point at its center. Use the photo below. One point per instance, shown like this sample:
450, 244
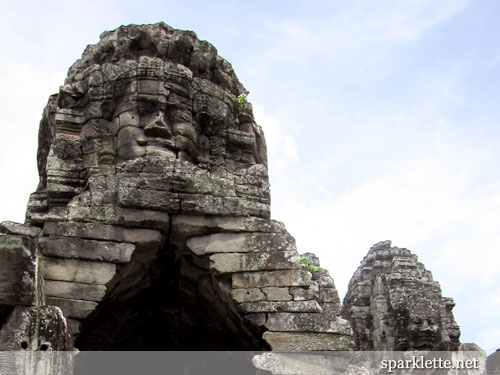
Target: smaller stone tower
393, 303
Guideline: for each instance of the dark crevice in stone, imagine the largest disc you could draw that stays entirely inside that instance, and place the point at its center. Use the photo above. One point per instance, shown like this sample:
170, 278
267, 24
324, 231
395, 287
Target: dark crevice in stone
179, 309
4, 314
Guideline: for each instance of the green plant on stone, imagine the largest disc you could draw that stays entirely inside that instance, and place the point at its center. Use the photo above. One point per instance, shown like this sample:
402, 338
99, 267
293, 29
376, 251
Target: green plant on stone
307, 263
242, 99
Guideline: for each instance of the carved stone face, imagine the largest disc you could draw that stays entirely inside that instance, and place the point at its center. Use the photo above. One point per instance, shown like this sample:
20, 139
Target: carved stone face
418, 325
175, 103
425, 332
153, 113
145, 126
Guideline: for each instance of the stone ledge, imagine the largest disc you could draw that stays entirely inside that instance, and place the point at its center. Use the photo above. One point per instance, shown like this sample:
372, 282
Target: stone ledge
74, 270
262, 261
302, 294
10, 227
184, 226
126, 217
298, 341
73, 290
76, 248
307, 322
247, 295
274, 293
271, 278
280, 306
102, 232
241, 243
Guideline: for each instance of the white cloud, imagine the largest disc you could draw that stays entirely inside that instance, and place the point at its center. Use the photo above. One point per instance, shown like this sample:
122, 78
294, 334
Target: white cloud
420, 204
23, 95
281, 146
360, 27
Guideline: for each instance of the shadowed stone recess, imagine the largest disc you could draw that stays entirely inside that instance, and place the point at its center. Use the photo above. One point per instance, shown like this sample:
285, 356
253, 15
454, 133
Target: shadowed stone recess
393, 303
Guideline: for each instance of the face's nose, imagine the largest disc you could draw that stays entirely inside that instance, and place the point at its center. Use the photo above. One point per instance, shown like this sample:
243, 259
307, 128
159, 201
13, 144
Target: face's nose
158, 126
427, 326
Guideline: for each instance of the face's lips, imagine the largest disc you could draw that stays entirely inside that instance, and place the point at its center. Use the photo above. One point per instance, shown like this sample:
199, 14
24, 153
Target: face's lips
157, 142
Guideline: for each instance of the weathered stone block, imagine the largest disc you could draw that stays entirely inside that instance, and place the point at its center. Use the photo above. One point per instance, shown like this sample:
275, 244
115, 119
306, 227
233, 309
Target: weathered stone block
79, 271
246, 295
143, 218
203, 204
286, 341
18, 282
277, 294
149, 199
307, 322
195, 225
271, 278
218, 243
241, 243
73, 308
325, 281
237, 262
68, 247
331, 308
302, 294
74, 290
35, 328
329, 295
9, 227
103, 232
280, 306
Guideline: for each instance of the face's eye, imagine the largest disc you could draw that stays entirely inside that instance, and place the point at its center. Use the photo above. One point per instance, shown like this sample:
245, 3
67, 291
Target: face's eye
150, 105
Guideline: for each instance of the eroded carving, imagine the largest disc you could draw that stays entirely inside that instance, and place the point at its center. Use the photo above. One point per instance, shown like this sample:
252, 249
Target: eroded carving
393, 303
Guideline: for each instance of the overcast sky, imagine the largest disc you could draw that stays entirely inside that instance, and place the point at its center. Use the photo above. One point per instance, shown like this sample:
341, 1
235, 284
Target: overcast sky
381, 118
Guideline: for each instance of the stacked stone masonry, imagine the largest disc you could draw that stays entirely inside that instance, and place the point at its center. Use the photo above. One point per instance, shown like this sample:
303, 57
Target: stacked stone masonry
154, 203
151, 229
393, 303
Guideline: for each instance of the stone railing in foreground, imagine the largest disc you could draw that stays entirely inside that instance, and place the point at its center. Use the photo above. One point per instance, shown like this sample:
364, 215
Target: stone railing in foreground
245, 363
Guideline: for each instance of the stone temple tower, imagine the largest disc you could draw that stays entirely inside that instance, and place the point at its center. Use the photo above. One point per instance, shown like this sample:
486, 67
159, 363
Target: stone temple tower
150, 228
393, 303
